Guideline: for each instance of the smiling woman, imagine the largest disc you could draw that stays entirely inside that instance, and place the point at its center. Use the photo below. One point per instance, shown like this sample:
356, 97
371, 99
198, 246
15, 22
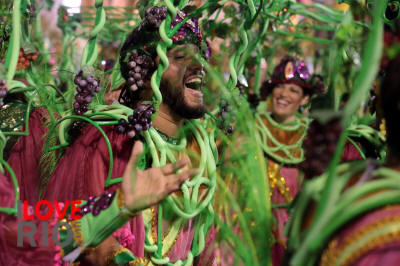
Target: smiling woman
287, 98
281, 133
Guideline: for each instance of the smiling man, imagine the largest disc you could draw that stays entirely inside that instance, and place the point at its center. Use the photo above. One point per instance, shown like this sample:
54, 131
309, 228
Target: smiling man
182, 82
154, 235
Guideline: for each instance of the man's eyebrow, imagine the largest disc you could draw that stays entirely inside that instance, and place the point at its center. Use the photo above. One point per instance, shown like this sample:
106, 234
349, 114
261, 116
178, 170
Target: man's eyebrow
182, 49
176, 49
185, 49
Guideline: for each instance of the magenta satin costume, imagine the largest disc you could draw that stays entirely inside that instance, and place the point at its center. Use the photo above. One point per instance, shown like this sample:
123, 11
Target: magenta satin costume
82, 172
10, 254
26, 154
383, 250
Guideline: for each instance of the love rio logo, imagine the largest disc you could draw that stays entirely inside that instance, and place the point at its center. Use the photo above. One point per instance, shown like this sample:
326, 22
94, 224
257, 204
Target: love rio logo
43, 213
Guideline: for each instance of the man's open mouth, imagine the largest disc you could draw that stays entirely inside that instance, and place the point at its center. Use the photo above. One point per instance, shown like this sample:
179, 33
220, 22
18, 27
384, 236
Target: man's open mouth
194, 83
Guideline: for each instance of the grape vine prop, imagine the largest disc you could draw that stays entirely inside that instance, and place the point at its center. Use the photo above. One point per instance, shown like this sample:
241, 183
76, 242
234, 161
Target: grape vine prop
257, 31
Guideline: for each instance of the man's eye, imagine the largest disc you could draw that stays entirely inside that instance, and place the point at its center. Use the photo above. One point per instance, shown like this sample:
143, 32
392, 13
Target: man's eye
180, 57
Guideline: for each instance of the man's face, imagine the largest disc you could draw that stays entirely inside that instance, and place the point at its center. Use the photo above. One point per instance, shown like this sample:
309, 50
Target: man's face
182, 82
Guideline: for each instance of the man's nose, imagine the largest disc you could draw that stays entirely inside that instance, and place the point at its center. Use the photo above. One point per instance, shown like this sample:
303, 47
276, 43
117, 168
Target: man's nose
196, 66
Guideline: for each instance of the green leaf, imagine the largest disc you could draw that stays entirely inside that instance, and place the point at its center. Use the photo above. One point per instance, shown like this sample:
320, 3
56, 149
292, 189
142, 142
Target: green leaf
222, 30
189, 9
28, 48
230, 11
325, 116
49, 4
2, 72
212, 8
88, 70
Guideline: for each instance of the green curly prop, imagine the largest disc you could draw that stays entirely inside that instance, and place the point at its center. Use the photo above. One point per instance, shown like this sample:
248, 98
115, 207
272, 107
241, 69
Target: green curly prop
285, 148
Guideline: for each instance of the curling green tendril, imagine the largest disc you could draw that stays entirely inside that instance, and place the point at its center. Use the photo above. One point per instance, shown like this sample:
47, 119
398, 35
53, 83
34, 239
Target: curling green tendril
266, 135
90, 52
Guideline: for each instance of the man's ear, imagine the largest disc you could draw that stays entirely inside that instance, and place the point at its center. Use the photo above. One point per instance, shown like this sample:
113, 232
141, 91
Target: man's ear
147, 93
156, 61
305, 99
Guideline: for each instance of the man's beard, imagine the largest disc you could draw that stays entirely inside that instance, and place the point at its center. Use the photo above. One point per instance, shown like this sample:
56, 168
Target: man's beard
175, 99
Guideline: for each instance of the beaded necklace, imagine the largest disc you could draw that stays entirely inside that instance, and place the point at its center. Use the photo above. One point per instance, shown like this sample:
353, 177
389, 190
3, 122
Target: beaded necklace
276, 180
167, 138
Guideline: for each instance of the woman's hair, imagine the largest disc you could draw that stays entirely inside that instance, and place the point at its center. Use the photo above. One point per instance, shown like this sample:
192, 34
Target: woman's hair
267, 88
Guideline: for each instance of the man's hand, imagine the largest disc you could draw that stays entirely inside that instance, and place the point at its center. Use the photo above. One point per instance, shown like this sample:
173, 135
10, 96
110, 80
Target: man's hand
143, 189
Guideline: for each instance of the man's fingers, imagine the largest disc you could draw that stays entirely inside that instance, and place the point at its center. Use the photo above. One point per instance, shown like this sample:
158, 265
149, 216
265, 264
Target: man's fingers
175, 181
171, 168
136, 151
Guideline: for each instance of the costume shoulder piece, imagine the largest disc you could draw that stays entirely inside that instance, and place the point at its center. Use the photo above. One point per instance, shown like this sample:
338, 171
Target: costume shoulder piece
362, 217
282, 142
375, 232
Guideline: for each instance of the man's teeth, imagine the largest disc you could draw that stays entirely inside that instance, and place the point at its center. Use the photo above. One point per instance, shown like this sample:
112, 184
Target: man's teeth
194, 83
194, 80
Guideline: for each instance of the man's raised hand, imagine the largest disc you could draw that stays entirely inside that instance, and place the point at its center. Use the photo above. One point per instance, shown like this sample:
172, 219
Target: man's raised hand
143, 189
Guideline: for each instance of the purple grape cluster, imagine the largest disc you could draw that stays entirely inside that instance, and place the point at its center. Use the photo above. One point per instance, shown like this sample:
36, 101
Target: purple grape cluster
75, 130
3, 92
320, 145
226, 117
87, 86
139, 65
253, 100
139, 121
154, 16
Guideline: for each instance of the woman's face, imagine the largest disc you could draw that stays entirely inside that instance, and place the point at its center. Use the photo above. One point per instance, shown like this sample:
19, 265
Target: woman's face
286, 100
